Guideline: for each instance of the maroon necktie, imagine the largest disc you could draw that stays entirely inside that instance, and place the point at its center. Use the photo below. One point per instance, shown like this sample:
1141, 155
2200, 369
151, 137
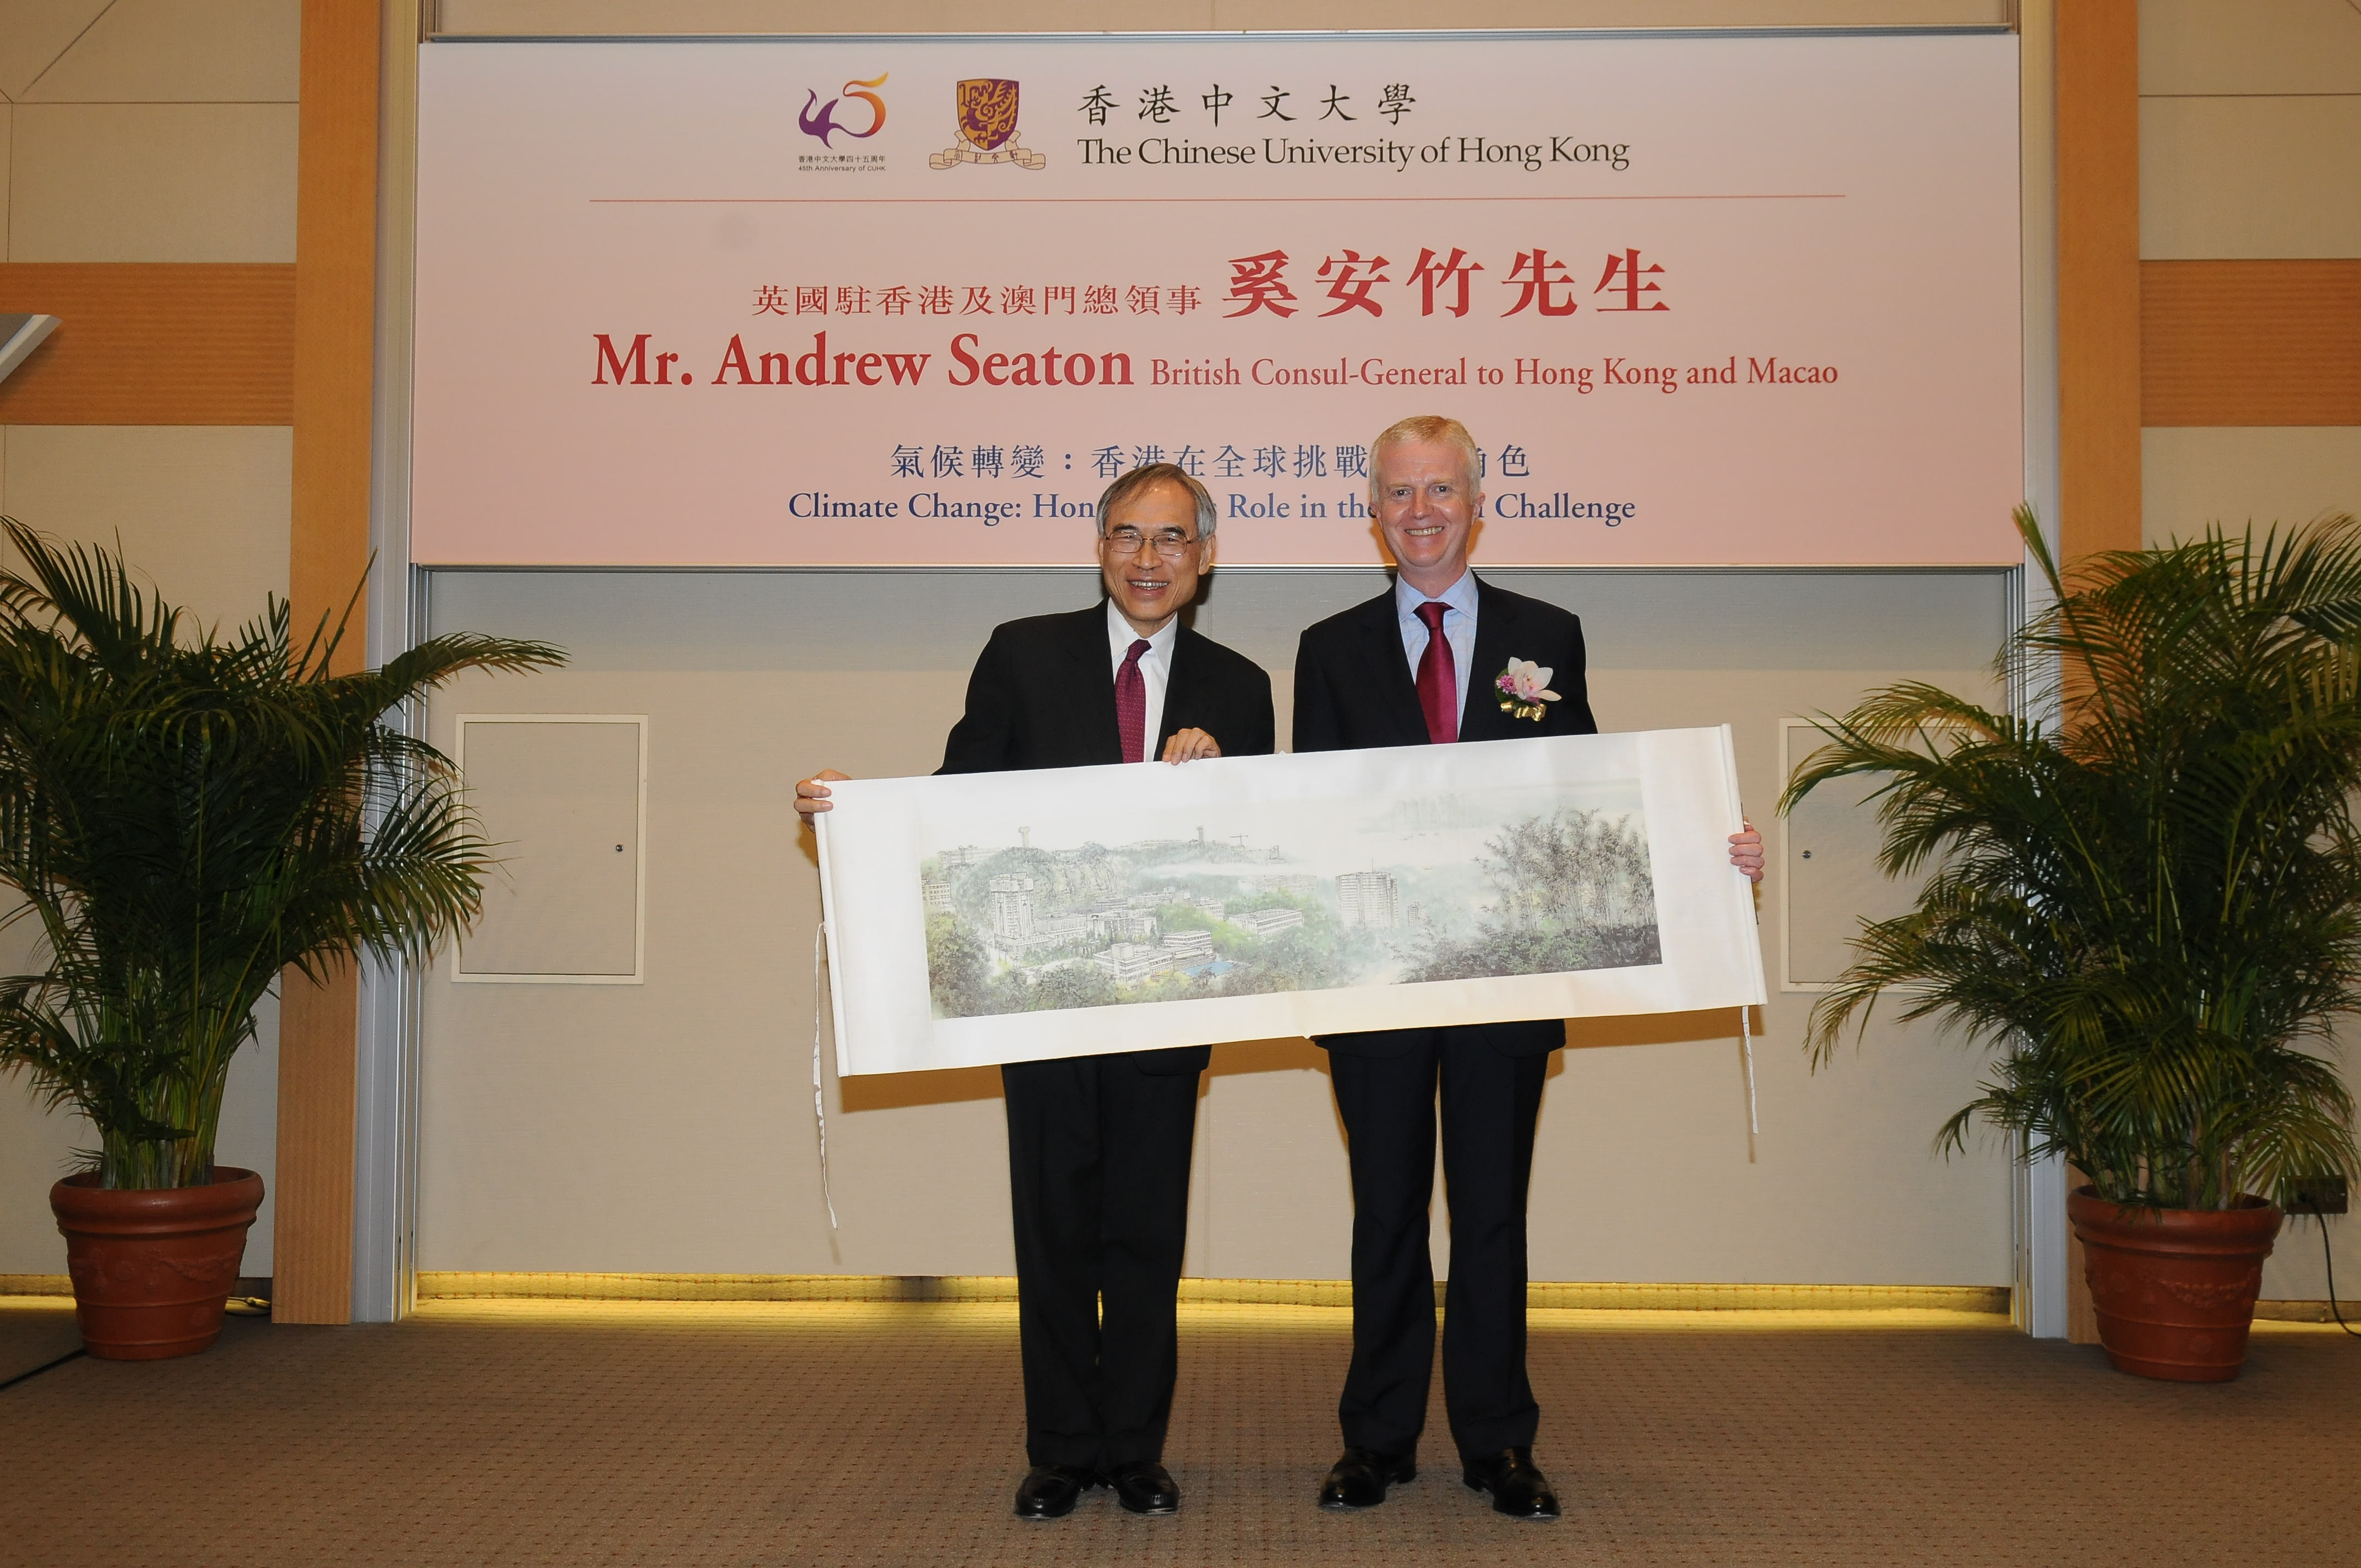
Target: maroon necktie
1131, 705
1438, 678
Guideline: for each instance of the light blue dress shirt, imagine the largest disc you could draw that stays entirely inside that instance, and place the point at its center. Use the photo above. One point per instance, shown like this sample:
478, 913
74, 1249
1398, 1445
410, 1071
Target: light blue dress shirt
1458, 628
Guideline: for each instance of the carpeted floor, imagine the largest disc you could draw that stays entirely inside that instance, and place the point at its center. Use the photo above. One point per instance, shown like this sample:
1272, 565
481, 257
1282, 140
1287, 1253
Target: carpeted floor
842, 1434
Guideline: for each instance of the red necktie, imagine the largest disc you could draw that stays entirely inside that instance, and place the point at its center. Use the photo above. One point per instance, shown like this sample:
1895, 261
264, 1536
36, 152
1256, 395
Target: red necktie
1438, 678
1131, 705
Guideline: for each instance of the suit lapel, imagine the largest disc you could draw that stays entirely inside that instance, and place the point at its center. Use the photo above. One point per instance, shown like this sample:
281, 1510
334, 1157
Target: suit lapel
1180, 691
1496, 643
1090, 679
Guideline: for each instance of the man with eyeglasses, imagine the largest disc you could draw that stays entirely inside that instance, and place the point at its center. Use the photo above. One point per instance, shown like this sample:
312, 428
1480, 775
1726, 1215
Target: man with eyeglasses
1098, 1146
1420, 665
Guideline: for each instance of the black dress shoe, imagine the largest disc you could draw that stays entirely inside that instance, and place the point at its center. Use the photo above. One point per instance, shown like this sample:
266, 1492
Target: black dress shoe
1049, 1491
1144, 1486
1518, 1489
1359, 1479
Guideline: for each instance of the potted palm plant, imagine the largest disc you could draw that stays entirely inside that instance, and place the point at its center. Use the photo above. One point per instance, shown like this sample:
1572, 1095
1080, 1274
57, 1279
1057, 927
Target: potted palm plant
2148, 910
184, 816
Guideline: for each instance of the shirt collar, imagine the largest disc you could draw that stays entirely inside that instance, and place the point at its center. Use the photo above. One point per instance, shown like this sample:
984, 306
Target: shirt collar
1120, 636
1460, 596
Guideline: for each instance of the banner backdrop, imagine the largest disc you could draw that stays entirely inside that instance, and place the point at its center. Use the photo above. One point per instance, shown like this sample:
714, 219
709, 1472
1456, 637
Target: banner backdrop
1701, 300
996, 918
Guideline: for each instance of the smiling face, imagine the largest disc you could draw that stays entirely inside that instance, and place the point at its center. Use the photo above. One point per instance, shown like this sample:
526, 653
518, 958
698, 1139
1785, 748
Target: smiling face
1427, 504
1149, 587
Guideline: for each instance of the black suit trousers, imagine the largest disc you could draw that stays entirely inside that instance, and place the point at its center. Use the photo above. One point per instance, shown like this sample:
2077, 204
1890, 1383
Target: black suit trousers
1098, 1177
1489, 1105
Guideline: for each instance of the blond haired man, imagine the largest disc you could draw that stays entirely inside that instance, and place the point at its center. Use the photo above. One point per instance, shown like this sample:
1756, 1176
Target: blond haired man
1415, 666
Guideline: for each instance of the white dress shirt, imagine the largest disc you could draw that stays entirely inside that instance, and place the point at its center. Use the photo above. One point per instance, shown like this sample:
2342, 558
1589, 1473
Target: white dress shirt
1458, 628
1155, 668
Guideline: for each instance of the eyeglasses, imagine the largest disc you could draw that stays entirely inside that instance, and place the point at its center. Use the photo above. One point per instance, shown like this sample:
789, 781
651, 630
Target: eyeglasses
1171, 543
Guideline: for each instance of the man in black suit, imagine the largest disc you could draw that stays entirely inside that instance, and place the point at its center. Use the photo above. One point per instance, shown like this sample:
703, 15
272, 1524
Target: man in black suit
1417, 666
1098, 1146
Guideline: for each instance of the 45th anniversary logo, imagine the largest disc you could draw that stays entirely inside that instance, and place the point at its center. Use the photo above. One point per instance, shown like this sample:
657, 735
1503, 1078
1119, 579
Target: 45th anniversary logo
818, 120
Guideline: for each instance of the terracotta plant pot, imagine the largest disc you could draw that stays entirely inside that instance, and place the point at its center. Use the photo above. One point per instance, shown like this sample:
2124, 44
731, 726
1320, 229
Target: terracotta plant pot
2174, 1289
151, 1269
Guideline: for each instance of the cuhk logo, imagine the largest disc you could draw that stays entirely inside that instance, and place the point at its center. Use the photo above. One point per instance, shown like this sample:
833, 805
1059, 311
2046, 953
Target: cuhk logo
985, 109
820, 119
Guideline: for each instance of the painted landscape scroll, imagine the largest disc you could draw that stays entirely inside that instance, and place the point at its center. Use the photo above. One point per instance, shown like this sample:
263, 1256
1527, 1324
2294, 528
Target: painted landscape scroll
1011, 916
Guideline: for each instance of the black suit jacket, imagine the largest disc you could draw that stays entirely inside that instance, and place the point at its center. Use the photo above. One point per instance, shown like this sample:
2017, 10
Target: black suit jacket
1042, 696
1354, 689
1354, 685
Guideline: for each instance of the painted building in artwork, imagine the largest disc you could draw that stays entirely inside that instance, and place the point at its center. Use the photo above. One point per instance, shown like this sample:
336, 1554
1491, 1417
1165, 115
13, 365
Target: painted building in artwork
1371, 900
1121, 923
1012, 908
1053, 929
1189, 944
1128, 962
1263, 922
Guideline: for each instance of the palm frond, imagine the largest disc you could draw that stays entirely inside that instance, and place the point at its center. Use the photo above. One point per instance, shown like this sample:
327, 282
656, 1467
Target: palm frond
187, 815
2149, 911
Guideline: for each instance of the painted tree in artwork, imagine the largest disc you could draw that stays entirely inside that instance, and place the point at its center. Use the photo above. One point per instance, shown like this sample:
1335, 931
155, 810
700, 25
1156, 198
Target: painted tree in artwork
1579, 868
1572, 891
957, 972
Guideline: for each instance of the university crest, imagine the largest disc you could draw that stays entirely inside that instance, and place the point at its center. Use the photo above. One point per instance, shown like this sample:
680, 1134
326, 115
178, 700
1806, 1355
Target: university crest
987, 126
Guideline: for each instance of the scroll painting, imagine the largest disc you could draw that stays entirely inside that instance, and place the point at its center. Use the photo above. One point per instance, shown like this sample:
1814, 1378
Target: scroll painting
996, 918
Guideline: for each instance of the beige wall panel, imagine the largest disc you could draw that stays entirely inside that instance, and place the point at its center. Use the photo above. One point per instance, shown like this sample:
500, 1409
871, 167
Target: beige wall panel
8, 128
2250, 177
2249, 46
1829, 855
2196, 475
563, 802
2295, 1271
36, 1149
179, 51
665, 1127
1643, 1140
250, 1127
202, 510
565, 1127
153, 182
597, 16
1270, 1195
33, 33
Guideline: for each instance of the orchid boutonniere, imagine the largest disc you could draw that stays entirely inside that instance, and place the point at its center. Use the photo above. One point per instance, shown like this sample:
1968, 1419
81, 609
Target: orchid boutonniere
1524, 687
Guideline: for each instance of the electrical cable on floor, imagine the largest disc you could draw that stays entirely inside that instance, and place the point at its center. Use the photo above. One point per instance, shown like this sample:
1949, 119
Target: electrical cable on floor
70, 1355
2329, 1262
